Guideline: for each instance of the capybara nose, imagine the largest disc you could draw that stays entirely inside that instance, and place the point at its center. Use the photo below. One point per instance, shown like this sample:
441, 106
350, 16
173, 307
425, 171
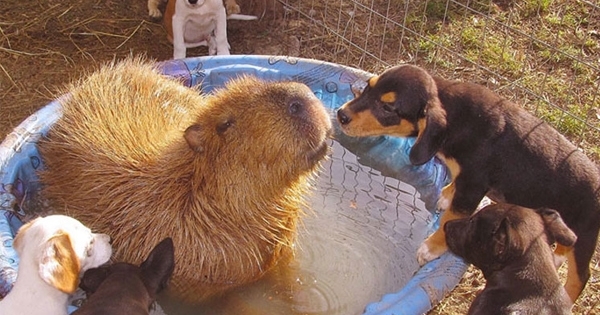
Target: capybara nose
342, 117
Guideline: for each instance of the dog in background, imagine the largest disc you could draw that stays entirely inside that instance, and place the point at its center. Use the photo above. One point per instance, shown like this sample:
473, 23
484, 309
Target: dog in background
53, 252
193, 23
512, 247
491, 147
126, 289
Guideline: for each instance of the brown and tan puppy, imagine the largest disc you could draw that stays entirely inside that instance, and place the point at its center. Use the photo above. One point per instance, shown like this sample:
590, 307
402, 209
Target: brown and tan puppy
511, 246
491, 146
140, 156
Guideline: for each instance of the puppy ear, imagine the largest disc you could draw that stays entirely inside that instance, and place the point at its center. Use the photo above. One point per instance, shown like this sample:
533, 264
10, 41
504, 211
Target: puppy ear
18, 241
556, 227
500, 240
159, 265
59, 265
431, 138
93, 278
193, 136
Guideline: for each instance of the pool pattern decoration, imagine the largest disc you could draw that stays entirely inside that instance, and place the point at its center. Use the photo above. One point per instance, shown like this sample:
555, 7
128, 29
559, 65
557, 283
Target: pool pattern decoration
332, 83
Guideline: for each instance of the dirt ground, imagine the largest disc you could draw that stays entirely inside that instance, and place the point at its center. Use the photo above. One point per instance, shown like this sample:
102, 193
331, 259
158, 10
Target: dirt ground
45, 44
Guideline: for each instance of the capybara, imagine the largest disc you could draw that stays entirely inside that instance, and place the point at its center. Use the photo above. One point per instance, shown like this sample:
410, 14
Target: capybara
141, 157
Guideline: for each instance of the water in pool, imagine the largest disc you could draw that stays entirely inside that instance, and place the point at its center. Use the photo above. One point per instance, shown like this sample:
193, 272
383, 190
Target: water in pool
357, 242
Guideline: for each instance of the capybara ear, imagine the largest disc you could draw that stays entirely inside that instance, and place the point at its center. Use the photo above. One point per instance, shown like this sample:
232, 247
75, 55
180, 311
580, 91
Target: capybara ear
501, 240
556, 227
59, 265
93, 278
432, 137
159, 265
193, 136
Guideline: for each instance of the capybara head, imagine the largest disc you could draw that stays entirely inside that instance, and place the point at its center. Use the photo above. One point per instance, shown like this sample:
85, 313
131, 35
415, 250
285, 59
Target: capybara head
137, 155
501, 234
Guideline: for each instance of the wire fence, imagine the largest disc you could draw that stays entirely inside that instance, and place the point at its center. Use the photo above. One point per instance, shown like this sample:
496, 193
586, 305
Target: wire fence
542, 54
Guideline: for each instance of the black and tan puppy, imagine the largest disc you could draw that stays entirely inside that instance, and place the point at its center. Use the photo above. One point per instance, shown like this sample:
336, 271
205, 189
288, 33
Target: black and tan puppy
511, 246
126, 289
491, 146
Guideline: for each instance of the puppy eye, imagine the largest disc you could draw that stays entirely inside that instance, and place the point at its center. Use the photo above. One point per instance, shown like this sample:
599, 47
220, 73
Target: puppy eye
90, 248
387, 107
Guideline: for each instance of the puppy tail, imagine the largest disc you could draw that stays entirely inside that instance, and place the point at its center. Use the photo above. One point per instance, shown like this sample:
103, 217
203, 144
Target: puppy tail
242, 17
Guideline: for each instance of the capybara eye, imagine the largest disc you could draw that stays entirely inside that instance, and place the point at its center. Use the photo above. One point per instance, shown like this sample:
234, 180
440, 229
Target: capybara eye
294, 107
221, 128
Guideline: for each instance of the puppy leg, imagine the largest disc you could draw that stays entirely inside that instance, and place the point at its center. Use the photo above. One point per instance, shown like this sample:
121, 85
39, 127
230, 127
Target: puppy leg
153, 10
231, 7
435, 245
459, 199
179, 49
560, 255
220, 35
578, 260
574, 284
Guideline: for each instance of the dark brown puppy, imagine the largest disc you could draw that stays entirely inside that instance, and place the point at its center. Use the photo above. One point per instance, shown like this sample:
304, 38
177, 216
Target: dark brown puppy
126, 289
491, 146
511, 246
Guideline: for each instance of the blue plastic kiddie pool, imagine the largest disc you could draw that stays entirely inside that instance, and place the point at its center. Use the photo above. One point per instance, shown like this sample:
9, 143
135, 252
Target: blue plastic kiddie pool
332, 83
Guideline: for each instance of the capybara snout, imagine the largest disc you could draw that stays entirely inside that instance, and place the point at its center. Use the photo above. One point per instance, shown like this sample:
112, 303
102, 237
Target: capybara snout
138, 155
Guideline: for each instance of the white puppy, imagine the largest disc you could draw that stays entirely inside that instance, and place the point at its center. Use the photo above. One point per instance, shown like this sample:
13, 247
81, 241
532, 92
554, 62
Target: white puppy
54, 251
193, 23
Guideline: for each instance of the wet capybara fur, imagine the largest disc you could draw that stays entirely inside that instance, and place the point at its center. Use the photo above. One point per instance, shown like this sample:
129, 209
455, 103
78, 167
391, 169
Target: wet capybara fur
141, 157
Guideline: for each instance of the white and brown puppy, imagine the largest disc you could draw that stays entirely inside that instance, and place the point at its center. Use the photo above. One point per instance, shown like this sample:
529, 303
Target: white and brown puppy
54, 252
193, 23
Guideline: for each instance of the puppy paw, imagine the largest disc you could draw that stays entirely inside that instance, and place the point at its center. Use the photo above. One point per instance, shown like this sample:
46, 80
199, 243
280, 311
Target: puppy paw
429, 251
424, 255
232, 8
154, 13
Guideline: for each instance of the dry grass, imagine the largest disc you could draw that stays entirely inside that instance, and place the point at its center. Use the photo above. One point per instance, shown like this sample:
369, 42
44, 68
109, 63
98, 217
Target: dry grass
44, 44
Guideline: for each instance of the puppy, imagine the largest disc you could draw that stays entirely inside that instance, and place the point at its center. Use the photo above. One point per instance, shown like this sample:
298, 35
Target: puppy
511, 246
53, 252
193, 23
123, 288
490, 146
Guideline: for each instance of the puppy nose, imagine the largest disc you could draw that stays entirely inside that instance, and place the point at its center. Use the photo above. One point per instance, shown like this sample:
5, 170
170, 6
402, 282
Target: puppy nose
193, 1
342, 117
